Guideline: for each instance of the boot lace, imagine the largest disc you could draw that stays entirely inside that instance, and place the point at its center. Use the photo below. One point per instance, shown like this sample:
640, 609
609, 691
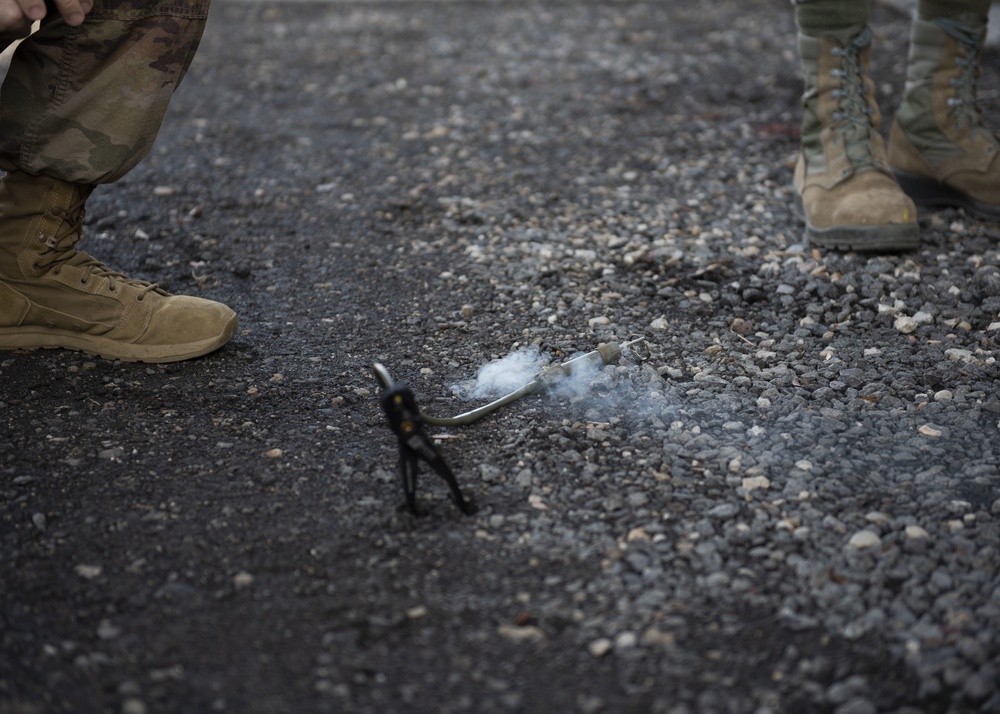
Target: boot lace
854, 111
60, 249
964, 105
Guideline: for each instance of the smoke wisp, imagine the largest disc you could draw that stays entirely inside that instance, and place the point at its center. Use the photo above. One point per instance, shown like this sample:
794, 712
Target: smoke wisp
504, 375
625, 390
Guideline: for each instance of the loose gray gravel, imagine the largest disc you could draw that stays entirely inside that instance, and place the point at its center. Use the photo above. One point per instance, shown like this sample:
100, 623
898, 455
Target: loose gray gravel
793, 506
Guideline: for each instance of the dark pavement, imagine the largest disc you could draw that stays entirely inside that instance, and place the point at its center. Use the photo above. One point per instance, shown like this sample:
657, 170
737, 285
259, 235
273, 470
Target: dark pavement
792, 507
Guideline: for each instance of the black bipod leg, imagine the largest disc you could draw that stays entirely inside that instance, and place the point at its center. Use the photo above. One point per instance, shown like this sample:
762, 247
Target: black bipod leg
465, 505
408, 468
401, 409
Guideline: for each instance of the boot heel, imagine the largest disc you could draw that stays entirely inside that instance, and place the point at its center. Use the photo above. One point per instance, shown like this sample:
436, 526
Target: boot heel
929, 193
925, 191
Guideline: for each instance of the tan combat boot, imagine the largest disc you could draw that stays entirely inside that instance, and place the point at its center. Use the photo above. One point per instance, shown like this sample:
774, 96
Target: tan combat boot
940, 151
845, 191
52, 295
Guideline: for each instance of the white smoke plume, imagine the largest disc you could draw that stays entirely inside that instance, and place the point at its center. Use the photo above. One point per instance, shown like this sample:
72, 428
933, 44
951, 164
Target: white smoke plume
599, 391
505, 375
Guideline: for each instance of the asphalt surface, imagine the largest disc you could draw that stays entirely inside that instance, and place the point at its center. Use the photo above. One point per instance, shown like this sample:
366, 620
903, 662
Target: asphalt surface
792, 506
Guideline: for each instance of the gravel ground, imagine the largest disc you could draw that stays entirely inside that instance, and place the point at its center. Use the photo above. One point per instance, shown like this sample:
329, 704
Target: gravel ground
793, 506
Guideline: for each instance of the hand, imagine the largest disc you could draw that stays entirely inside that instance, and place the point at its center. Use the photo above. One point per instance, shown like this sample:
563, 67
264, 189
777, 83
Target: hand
16, 16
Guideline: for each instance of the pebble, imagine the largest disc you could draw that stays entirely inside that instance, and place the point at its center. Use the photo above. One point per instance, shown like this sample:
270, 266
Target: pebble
107, 630
242, 580
960, 355
865, 539
134, 706
752, 483
525, 633
88, 572
625, 640
723, 511
905, 324
600, 647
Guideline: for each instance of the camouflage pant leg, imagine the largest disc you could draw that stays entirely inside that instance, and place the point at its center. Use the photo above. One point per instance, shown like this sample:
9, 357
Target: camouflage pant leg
84, 104
818, 17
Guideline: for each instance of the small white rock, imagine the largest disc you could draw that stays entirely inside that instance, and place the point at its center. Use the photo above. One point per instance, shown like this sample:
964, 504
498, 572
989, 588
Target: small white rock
88, 571
751, 483
521, 634
626, 640
599, 647
958, 355
878, 518
865, 539
916, 533
242, 580
905, 324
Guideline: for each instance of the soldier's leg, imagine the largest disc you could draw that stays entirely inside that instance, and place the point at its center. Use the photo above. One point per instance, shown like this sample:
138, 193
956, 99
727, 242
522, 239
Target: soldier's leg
81, 106
939, 146
84, 104
844, 189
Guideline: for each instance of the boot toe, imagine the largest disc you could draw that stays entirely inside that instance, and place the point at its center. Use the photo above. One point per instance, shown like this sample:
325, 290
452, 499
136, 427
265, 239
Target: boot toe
182, 320
884, 205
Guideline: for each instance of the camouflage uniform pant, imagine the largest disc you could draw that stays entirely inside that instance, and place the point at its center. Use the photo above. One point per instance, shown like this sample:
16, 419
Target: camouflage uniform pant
84, 104
816, 17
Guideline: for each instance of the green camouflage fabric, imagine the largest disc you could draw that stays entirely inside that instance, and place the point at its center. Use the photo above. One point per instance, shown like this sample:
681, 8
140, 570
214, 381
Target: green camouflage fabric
84, 104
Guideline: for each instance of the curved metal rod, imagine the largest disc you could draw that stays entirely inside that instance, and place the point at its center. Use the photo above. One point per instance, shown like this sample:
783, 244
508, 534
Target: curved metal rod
476, 414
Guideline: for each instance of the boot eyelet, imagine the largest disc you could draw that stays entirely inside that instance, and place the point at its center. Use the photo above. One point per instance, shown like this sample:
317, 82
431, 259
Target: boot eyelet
140, 298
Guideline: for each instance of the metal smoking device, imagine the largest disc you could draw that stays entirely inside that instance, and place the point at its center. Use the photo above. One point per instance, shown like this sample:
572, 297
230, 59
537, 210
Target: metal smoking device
407, 422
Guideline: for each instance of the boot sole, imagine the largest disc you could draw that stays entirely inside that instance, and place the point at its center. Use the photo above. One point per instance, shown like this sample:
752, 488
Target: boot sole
32, 338
887, 238
930, 193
